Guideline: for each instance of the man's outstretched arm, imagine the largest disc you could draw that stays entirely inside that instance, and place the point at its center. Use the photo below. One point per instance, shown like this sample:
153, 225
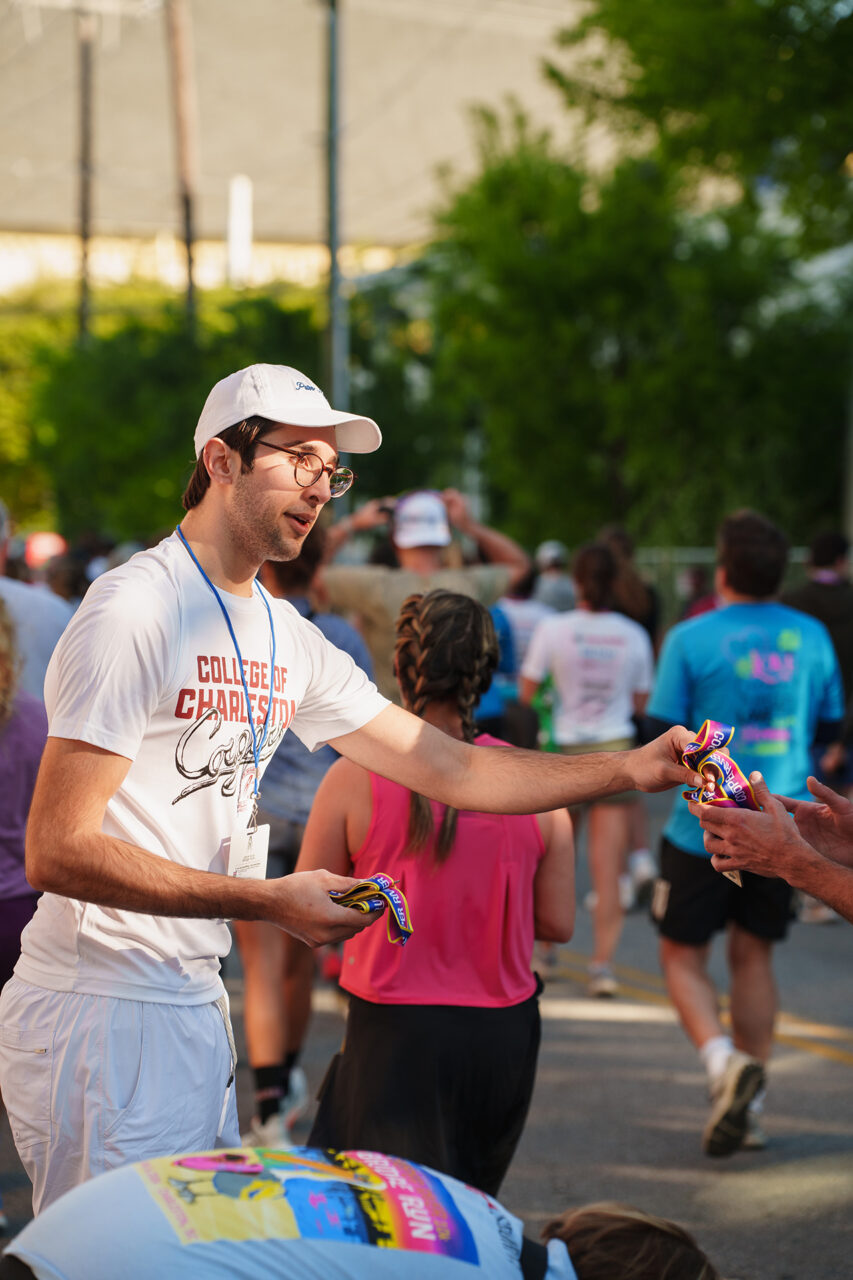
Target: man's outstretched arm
404, 748
68, 854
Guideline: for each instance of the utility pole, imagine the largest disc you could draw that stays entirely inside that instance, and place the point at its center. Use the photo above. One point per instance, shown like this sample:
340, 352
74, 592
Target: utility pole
186, 129
337, 333
86, 24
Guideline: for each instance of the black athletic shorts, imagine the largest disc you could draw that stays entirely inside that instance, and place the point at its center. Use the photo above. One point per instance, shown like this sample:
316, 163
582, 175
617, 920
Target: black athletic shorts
691, 901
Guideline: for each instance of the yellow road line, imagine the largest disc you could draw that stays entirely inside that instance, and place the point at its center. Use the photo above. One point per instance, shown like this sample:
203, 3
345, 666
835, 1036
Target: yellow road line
793, 1031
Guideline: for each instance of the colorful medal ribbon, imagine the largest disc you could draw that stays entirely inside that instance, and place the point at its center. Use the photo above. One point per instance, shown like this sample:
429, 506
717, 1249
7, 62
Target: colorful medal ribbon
731, 789
375, 894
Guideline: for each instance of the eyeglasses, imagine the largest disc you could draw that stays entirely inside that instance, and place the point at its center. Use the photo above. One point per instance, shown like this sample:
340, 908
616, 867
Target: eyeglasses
308, 467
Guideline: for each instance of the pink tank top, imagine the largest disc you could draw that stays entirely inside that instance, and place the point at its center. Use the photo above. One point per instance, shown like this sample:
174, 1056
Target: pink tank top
472, 914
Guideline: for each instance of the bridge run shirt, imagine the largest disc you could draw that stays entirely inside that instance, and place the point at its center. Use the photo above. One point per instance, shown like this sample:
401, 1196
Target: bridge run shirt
768, 670
301, 1214
147, 669
598, 661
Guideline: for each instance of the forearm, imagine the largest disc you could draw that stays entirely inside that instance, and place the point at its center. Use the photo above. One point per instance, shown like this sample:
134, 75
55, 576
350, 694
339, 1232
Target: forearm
114, 873
399, 746
822, 878
495, 547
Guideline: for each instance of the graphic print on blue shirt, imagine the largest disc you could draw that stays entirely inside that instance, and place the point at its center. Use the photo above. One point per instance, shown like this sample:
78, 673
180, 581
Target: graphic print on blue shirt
769, 670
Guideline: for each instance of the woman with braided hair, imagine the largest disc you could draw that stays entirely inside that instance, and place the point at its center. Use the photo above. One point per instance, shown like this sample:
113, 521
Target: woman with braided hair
442, 1034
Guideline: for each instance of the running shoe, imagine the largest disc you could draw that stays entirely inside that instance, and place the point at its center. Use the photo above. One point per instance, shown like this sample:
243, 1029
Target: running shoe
271, 1134
730, 1099
602, 984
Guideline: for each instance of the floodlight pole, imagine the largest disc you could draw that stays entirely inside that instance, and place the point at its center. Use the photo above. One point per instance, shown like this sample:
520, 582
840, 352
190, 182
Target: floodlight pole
179, 28
337, 335
85, 44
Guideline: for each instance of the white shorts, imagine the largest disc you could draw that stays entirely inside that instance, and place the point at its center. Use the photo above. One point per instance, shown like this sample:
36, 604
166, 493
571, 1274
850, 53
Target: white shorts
92, 1082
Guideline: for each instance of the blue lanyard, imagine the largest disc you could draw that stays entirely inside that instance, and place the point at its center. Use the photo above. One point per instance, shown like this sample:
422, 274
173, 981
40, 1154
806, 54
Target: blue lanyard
257, 747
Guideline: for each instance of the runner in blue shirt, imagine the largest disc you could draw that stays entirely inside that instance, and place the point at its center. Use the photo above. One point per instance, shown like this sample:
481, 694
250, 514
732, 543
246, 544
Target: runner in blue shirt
770, 671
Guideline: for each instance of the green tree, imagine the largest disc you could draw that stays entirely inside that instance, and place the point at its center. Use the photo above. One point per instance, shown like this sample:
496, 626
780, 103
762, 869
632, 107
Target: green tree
115, 419
758, 90
626, 359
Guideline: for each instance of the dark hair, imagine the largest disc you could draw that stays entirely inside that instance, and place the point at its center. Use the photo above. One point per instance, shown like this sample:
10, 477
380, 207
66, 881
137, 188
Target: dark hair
610, 1241
594, 571
294, 577
243, 437
631, 595
827, 548
446, 649
753, 553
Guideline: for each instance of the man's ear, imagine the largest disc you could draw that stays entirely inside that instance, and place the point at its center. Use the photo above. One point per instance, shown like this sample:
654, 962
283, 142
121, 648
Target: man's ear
222, 463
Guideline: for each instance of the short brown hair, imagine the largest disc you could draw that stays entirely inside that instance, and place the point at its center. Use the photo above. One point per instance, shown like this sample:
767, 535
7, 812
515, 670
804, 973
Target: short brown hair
752, 553
609, 1240
243, 437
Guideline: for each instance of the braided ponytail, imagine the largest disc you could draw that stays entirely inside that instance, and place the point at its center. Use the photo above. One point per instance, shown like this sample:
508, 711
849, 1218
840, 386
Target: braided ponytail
446, 650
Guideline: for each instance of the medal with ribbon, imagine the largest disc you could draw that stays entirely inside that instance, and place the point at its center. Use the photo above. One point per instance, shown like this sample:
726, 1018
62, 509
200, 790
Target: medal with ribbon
730, 789
375, 894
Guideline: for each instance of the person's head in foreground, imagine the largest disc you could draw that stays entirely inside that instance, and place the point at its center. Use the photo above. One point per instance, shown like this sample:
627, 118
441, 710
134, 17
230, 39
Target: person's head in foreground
611, 1241
354, 1215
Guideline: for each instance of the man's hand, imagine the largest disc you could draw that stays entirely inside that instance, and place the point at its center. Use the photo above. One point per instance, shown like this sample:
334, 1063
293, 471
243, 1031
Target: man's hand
304, 909
827, 824
657, 766
458, 512
766, 842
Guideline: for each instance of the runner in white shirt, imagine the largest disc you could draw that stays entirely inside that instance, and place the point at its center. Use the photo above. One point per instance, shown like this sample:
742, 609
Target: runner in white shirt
601, 664
165, 698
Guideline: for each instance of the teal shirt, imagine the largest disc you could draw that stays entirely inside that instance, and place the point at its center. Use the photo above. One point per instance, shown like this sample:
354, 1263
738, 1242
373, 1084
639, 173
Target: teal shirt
770, 671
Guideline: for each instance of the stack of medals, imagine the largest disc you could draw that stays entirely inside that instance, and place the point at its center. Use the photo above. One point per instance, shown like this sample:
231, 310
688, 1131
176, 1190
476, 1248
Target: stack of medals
375, 894
728, 785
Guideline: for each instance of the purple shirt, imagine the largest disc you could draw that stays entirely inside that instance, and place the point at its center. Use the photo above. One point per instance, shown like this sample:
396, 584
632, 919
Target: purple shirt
22, 741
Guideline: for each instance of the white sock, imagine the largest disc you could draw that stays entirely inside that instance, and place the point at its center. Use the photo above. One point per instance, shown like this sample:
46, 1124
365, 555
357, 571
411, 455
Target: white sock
715, 1053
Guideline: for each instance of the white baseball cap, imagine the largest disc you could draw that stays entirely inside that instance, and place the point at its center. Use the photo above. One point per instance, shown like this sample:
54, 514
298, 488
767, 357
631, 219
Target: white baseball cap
420, 520
282, 394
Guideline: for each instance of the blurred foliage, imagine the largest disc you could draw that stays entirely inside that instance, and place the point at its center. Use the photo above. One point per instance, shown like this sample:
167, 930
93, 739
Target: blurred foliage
758, 90
114, 417
391, 358
625, 360
26, 330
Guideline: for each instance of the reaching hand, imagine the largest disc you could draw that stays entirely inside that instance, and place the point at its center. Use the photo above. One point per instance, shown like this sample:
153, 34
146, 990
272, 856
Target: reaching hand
827, 824
765, 842
305, 910
657, 766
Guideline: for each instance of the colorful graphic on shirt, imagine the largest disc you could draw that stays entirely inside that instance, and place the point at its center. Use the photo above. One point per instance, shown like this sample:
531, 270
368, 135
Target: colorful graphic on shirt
215, 748
354, 1196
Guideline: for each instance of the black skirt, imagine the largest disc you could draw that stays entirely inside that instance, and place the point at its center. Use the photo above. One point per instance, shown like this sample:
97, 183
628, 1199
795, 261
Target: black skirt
447, 1086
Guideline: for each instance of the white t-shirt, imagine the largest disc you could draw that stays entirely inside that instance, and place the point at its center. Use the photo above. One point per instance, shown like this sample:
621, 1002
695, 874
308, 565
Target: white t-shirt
598, 661
147, 669
283, 1215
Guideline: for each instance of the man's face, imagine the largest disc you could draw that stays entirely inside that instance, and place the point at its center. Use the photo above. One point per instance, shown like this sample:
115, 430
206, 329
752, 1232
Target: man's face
270, 514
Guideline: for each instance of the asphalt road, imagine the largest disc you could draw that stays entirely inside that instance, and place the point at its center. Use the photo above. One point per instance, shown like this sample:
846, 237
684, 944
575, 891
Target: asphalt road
620, 1105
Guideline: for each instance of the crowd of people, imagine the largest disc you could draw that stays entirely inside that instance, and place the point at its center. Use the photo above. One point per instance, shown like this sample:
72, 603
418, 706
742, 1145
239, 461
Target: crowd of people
211, 748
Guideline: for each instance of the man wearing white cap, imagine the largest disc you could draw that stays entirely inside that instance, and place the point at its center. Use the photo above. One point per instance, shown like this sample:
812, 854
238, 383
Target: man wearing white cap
169, 691
421, 532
